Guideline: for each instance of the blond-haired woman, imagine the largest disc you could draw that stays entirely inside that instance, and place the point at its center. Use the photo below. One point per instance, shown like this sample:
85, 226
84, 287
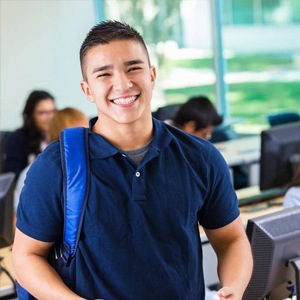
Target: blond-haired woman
66, 118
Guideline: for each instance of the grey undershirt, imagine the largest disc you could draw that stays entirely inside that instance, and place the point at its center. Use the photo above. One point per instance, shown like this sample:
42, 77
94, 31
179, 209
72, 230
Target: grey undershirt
137, 155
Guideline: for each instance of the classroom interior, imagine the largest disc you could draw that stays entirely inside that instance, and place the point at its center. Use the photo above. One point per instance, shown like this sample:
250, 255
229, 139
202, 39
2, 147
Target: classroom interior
40, 42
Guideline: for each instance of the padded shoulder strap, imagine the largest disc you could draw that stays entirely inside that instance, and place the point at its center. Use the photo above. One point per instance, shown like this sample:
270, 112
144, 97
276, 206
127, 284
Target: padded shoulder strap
76, 172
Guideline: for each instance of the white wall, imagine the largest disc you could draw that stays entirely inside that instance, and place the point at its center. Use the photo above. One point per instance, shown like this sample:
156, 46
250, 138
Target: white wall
40, 41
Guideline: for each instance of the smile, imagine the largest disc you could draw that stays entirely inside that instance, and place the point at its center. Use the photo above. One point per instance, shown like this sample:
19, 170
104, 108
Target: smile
125, 100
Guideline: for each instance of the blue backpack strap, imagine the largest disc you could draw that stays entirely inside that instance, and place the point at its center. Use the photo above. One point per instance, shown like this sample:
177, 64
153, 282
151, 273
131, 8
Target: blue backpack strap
76, 177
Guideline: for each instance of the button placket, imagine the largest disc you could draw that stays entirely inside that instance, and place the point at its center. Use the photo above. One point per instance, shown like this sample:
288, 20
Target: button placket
139, 187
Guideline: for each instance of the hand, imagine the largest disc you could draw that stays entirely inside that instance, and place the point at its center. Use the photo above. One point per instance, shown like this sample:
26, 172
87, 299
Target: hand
226, 293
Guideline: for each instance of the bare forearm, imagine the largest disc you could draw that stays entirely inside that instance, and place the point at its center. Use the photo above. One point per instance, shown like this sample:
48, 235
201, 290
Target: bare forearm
234, 259
235, 267
43, 282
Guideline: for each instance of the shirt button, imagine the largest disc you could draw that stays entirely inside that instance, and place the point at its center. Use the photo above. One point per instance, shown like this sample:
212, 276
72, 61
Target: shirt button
137, 174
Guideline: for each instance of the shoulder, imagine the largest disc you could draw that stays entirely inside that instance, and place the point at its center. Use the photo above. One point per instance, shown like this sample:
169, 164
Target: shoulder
49, 159
183, 138
51, 152
200, 155
191, 145
45, 172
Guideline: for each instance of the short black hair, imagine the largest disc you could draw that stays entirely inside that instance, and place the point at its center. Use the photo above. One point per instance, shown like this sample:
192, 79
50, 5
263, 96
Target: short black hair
200, 110
106, 32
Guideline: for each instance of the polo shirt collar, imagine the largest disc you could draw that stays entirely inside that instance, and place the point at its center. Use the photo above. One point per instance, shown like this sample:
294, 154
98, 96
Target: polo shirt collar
101, 148
162, 136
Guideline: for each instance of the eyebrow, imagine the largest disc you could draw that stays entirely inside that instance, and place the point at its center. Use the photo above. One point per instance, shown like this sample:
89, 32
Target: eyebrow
103, 68
126, 63
133, 62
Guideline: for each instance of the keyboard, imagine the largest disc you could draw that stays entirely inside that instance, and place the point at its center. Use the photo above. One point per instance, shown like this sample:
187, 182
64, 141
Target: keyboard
261, 196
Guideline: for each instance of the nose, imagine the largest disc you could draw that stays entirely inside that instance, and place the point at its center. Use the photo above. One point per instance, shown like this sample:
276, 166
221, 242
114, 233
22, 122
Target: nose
122, 82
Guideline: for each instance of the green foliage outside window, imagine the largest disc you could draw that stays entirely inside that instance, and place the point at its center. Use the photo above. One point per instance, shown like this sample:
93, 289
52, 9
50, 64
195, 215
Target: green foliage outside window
159, 21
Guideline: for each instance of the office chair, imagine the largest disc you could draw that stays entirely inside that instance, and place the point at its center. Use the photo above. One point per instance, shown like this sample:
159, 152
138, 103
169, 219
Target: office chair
3, 138
167, 112
7, 185
6, 224
295, 163
283, 118
223, 133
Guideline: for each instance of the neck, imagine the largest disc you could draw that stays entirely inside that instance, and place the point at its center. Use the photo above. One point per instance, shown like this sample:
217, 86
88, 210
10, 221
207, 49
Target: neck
126, 136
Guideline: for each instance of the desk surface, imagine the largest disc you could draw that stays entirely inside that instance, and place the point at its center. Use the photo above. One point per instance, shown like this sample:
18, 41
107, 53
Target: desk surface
6, 286
245, 150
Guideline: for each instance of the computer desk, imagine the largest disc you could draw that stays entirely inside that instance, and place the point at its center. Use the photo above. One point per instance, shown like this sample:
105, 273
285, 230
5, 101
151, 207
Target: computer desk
6, 285
243, 151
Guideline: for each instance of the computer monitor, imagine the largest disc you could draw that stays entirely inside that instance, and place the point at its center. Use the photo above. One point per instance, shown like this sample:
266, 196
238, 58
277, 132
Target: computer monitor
275, 239
6, 208
279, 145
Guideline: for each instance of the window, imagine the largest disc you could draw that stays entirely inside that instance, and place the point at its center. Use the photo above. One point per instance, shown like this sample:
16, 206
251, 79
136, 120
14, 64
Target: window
262, 71
172, 30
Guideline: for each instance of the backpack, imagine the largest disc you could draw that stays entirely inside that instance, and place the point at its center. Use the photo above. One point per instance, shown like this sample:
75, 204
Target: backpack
76, 184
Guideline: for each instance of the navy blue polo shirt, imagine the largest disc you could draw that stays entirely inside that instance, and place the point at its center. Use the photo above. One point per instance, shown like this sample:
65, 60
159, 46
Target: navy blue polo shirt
140, 237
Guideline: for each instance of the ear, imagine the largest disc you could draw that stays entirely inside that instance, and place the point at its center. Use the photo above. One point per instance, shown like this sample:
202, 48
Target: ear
153, 75
189, 127
86, 90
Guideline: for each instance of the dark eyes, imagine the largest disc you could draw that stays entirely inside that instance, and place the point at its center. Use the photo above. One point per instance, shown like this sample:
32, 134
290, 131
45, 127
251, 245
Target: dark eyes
134, 69
103, 75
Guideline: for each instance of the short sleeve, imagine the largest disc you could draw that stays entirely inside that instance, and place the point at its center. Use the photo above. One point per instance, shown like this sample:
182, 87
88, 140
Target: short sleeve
40, 213
221, 204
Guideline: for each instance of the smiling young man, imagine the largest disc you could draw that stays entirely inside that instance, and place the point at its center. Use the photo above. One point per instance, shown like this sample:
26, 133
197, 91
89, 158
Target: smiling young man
151, 186
119, 79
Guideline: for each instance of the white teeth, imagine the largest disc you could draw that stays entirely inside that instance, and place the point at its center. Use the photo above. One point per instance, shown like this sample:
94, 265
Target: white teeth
124, 100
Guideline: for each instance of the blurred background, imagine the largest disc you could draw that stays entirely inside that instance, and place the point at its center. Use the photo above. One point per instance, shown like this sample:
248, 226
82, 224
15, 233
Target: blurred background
243, 54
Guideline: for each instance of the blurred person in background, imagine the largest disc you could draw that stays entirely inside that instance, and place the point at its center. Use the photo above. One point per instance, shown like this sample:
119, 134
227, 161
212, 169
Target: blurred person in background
66, 118
292, 195
24, 144
198, 116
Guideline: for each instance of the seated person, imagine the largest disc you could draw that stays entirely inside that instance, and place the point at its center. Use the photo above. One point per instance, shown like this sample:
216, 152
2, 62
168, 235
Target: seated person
24, 144
198, 116
66, 118
292, 195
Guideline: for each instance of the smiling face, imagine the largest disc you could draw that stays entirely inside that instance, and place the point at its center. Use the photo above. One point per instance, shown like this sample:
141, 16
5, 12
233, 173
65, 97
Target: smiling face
119, 81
